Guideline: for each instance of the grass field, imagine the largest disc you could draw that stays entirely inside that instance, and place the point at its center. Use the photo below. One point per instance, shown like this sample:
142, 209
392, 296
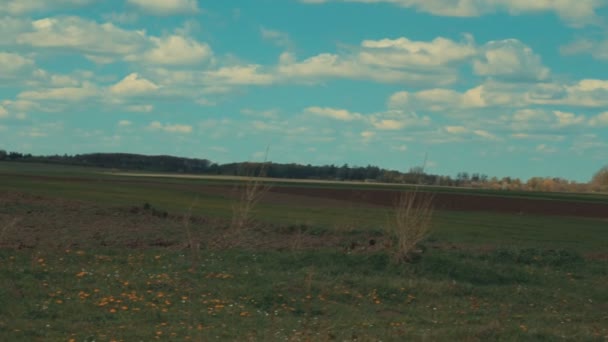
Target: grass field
90, 256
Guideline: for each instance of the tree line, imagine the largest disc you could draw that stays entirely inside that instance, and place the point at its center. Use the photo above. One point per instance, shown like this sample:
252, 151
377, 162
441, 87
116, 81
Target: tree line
345, 172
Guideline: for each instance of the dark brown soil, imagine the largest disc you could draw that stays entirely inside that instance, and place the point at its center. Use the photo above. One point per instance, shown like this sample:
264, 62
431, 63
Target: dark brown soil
461, 202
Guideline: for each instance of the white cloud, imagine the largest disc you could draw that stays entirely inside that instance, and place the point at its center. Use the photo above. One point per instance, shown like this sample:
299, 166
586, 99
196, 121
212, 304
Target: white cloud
268, 114
124, 123
493, 94
19, 7
543, 148
367, 135
140, 108
3, 112
599, 120
527, 114
392, 120
12, 66
327, 65
402, 52
11, 27
574, 12
239, 75
279, 38
388, 124
175, 50
530, 119
510, 60
485, 134
170, 128
71, 94
106, 43
10, 63
105, 40
597, 49
133, 85
568, 119
166, 7
488, 94
546, 137
456, 129
333, 113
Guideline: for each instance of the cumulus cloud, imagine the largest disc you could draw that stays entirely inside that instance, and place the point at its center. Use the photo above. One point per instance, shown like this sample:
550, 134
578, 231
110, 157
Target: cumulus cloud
239, 75
543, 148
166, 7
133, 84
584, 93
107, 43
11, 63
19, 7
456, 129
574, 12
448, 100
598, 49
390, 120
170, 128
565, 119
174, 50
404, 53
83, 35
485, 134
599, 120
510, 60
3, 112
327, 66
124, 123
367, 135
71, 94
140, 108
333, 113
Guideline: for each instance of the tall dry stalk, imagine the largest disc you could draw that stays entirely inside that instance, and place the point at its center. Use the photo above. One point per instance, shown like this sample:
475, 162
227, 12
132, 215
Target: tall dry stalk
193, 244
251, 191
412, 221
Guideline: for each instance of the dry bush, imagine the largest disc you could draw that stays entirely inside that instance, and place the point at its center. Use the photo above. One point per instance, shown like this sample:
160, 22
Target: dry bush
412, 221
250, 192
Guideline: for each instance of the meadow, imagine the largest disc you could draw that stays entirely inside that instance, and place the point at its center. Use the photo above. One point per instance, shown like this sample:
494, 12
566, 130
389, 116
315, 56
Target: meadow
88, 255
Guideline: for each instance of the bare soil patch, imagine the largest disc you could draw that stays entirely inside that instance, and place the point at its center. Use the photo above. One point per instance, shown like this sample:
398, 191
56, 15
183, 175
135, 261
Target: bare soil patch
461, 202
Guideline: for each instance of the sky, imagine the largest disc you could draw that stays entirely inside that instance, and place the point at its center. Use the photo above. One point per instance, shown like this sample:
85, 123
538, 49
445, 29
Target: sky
501, 87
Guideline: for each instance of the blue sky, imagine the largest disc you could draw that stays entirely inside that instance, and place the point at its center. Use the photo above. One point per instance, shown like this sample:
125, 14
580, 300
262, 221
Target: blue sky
502, 87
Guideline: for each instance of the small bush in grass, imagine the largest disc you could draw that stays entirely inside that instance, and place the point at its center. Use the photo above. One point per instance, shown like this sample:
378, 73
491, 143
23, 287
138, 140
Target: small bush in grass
413, 215
250, 193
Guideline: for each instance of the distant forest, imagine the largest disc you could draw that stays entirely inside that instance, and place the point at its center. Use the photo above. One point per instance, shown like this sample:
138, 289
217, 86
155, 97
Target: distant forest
415, 175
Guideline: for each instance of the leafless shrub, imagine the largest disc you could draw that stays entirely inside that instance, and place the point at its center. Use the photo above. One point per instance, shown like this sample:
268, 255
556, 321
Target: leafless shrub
250, 192
412, 221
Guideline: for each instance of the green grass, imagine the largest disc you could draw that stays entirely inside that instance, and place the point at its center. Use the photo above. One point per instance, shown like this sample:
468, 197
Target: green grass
484, 276
320, 295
